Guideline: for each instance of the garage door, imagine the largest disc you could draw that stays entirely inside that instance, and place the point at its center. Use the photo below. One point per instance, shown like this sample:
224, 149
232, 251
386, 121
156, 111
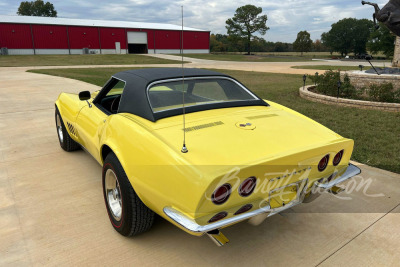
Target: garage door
137, 37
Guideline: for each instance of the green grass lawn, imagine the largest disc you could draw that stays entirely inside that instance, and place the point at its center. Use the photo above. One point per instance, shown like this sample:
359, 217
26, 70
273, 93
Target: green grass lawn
265, 56
71, 60
315, 54
251, 58
329, 67
376, 133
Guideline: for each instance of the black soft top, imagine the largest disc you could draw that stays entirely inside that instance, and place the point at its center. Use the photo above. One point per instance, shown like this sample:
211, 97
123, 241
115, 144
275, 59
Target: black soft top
135, 100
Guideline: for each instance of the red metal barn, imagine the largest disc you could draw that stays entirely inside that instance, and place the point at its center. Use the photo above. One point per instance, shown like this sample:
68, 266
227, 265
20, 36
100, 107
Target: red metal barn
26, 35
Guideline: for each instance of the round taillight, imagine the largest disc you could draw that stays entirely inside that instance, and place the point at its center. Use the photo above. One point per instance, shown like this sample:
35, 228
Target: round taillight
337, 158
218, 217
247, 187
323, 163
221, 194
243, 209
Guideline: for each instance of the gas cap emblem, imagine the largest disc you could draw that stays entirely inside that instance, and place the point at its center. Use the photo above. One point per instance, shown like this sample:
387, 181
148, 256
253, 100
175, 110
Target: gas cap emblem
245, 125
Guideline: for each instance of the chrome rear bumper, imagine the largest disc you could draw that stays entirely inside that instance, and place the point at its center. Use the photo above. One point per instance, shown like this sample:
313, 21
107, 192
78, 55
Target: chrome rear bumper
350, 172
190, 225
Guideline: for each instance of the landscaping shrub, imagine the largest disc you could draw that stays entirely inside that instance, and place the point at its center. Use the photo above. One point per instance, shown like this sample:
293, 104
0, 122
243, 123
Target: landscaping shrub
397, 96
347, 90
327, 84
382, 93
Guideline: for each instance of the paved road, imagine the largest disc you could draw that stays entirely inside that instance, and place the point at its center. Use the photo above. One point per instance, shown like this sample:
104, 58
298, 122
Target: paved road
52, 210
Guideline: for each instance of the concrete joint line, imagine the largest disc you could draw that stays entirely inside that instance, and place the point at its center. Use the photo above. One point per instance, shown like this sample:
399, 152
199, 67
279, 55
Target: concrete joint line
348, 242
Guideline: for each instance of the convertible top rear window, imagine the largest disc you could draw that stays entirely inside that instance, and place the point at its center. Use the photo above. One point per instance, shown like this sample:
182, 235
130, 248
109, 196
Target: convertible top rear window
168, 95
158, 93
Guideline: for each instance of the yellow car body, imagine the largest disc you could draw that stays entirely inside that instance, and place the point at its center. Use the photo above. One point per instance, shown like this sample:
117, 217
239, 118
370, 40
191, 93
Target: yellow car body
278, 146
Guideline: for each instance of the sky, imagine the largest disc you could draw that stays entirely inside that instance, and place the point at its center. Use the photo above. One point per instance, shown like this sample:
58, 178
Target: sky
285, 18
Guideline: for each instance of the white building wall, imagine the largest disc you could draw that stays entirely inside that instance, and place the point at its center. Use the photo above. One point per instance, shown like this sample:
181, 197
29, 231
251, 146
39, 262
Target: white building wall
112, 51
80, 51
178, 51
20, 51
76, 52
52, 51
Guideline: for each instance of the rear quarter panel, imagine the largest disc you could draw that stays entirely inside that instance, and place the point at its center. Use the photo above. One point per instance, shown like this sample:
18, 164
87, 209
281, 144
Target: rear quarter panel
159, 175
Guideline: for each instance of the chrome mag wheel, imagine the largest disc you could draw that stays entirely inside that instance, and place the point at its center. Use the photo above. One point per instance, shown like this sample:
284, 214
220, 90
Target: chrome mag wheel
59, 129
113, 194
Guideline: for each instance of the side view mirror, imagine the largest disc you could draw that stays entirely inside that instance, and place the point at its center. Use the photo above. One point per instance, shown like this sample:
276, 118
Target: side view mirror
84, 95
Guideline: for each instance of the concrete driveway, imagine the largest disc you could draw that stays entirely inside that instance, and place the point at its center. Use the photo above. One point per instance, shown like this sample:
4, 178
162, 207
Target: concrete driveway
52, 209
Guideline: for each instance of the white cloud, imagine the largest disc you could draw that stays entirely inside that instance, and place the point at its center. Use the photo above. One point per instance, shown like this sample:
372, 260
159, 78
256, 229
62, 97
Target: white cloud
279, 18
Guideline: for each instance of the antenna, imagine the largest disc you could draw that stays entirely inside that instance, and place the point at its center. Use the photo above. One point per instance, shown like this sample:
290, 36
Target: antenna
184, 148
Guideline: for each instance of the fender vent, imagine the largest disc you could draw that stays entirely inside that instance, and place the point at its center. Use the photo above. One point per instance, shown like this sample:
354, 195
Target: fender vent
71, 129
203, 126
261, 116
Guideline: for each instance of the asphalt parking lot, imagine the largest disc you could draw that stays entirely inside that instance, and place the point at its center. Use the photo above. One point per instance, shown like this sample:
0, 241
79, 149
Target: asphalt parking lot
52, 209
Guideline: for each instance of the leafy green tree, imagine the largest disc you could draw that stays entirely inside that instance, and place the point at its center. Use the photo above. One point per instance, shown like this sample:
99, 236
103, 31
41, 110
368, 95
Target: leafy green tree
246, 21
281, 47
348, 35
318, 46
259, 44
236, 43
303, 42
217, 45
37, 8
226, 43
326, 41
382, 40
362, 30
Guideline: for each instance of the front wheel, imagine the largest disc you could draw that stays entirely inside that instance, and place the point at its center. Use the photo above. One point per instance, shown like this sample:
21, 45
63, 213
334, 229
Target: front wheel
128, 214
66, 142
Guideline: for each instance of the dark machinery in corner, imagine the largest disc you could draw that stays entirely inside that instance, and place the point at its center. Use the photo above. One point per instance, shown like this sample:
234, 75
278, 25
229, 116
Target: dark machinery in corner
389, 15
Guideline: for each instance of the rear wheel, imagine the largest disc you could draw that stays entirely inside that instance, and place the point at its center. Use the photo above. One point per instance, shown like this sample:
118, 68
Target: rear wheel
66, 142
128, 214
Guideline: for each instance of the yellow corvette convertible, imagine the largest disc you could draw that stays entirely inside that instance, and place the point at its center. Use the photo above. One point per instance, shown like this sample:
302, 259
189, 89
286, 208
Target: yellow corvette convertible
200, 150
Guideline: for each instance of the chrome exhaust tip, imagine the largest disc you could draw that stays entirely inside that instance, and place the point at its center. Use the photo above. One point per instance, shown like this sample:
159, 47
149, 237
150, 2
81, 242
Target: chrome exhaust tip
219, 238
258, 219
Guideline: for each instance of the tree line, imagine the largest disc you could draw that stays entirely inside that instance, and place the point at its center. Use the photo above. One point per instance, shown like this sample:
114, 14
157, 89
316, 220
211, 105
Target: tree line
357, 36
347, 36
227, 43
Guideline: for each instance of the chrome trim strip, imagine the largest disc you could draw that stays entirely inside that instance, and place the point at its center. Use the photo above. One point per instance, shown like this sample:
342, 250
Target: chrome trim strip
192, 226
119, 80
94, 101
351, 171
